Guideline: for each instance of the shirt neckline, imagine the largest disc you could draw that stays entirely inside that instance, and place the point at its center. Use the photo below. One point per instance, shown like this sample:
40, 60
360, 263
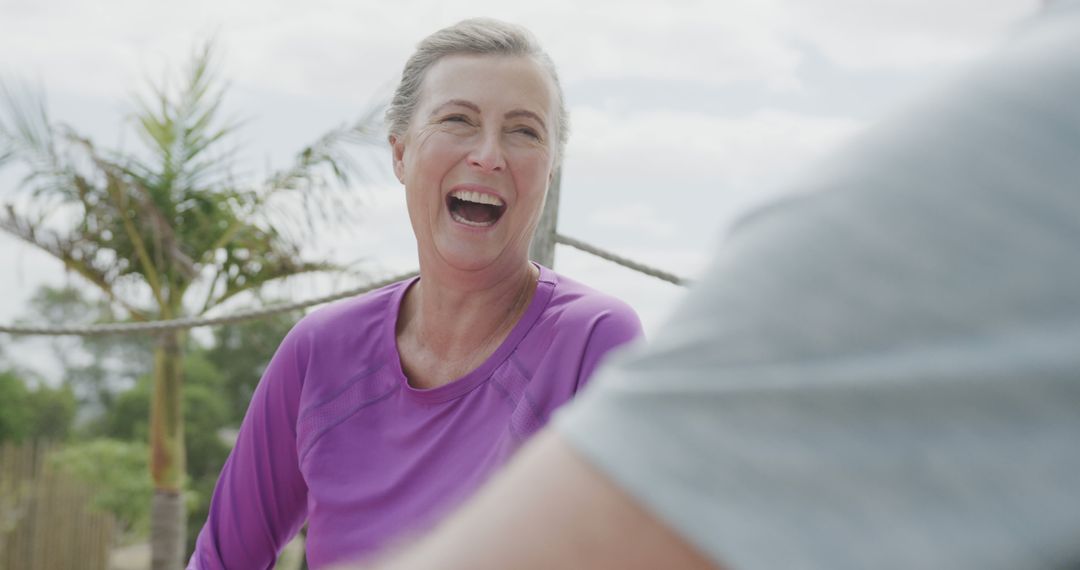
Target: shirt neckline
545, 286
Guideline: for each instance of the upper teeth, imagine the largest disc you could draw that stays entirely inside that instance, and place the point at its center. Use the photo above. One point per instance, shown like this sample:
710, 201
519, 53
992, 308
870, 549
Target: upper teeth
478, 197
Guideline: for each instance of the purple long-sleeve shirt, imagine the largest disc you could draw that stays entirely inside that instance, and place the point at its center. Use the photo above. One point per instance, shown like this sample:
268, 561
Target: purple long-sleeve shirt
335, 436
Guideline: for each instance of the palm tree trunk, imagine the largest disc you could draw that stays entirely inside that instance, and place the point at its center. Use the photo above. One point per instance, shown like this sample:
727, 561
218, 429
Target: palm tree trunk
167, 455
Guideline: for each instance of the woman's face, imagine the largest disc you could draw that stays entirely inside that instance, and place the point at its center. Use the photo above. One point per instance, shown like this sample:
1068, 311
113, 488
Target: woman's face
477, 159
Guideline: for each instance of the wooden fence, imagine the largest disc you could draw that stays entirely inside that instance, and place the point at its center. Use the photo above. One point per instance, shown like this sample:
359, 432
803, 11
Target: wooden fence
46, 520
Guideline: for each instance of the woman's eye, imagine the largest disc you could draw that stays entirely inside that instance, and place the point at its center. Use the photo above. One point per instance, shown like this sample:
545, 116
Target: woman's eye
529, 132
455, 119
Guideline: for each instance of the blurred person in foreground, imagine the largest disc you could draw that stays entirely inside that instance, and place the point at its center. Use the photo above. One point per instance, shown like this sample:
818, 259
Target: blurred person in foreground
882, 374
379, 414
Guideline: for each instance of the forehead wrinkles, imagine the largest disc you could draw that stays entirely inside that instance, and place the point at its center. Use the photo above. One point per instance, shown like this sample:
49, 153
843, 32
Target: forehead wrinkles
525, 74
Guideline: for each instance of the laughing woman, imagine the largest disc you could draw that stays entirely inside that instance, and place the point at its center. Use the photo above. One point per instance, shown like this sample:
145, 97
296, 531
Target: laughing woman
380, 413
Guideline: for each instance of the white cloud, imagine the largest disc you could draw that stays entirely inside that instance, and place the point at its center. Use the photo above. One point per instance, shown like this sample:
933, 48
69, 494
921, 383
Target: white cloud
704, 42
323, 60
347, 49
741, 154
865, 35
26, 269
634, 216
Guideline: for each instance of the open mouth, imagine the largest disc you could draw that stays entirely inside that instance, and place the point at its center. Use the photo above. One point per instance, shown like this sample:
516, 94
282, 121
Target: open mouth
475, 209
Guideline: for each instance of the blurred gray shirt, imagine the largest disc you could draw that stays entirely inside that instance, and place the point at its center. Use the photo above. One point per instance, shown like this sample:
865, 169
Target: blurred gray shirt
882, 371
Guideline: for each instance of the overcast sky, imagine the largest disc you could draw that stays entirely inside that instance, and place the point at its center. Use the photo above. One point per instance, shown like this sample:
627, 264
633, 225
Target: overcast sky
684, 113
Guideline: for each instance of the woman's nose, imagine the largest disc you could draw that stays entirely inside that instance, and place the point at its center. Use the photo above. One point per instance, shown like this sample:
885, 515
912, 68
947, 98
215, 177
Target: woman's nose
487, 155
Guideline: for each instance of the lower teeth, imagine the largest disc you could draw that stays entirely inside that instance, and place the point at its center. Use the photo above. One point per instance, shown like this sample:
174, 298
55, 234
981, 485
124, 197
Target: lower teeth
468, 222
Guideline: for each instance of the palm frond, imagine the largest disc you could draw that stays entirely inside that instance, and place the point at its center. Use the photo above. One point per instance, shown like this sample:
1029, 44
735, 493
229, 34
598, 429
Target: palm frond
77, 255
332, 162
235, 288
174, 217
28, 137
140, 215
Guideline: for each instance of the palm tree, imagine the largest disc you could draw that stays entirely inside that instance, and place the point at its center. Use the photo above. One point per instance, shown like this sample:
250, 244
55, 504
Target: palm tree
167, 231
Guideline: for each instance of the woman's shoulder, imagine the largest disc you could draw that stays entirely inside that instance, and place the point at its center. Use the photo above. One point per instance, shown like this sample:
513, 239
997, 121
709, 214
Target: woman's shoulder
577, 328
574, 305
578, 300
358, 315
341, 342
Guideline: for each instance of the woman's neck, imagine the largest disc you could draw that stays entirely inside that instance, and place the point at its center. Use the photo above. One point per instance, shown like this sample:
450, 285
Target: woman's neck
449, 326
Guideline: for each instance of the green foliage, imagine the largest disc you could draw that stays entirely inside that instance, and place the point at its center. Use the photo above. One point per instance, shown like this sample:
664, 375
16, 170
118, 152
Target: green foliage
14, 412
199, 493
219, 381
168, 231
94, 367
52, 413
241, 352
29, 415
205, 413
128, 417
117, 472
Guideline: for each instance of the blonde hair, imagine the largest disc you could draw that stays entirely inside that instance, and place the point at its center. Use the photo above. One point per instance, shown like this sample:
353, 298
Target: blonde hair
476, 36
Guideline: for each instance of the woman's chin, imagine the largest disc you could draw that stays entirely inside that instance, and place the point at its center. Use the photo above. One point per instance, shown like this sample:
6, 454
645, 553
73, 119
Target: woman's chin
466, 258
474, 257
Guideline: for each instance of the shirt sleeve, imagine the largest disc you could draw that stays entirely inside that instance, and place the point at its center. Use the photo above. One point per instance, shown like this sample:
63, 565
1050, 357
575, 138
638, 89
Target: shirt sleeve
881, 372
259, 502
611, 329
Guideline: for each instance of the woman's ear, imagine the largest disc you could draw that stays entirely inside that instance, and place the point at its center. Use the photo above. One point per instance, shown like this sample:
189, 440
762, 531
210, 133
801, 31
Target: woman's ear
397, 150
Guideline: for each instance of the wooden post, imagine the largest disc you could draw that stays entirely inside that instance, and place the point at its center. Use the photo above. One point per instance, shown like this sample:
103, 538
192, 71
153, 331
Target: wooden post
542, 249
